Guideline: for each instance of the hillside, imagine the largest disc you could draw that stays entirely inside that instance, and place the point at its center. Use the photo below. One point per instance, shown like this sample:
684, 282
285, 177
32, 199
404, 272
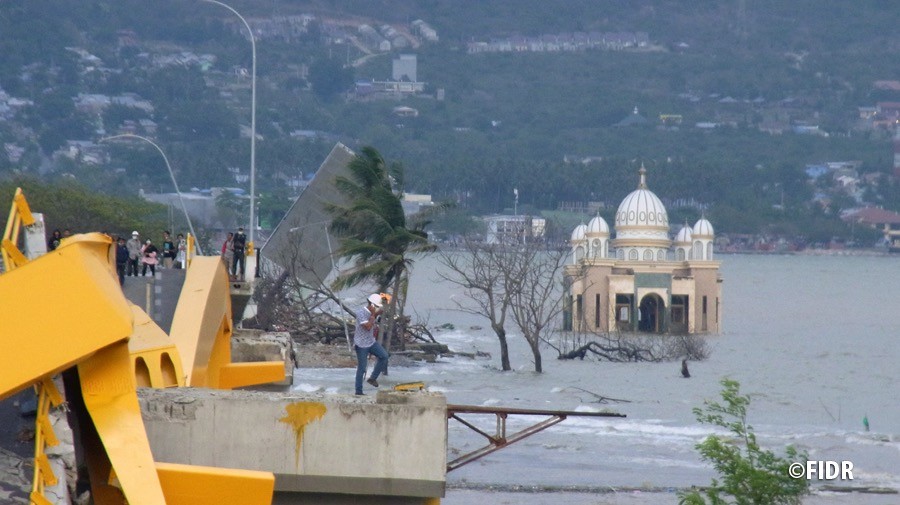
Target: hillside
485, 122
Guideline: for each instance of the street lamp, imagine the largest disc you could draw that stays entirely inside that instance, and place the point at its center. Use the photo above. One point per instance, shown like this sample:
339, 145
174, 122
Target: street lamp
252, 123
171, 174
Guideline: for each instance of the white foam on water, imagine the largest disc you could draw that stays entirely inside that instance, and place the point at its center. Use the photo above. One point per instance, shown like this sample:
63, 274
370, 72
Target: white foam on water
307, 388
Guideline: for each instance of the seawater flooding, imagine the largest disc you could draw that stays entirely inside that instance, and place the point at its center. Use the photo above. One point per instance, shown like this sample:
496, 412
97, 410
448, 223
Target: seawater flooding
812, 339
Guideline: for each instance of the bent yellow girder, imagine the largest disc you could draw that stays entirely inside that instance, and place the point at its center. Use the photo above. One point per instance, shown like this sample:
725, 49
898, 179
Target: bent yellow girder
201, 330
58, 310
66, 308
155, 360
19, 214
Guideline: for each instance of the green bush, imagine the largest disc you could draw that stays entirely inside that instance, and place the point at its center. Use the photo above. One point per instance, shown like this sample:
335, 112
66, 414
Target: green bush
749, 474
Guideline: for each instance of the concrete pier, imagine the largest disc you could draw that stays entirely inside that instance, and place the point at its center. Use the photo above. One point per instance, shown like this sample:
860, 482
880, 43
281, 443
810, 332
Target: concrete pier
331, 449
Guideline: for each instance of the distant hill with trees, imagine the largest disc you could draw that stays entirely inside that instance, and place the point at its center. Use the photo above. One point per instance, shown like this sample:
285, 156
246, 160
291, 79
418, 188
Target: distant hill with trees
506, 120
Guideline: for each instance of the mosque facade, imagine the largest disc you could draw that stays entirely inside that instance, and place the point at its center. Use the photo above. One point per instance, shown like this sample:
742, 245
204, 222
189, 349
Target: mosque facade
641, 280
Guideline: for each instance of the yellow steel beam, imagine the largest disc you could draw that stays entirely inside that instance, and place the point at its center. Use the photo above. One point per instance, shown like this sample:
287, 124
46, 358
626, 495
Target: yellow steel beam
199, 485
21, 205
201, 320
155, 360
108, 388
234, 375
13, 257
201, 329
58, 310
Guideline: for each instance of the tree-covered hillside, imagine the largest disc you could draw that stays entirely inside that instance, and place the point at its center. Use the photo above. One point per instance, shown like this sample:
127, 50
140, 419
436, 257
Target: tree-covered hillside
503, 120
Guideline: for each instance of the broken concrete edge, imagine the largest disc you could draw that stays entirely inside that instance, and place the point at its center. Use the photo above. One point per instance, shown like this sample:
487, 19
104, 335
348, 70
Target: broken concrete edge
257, 345
310, 441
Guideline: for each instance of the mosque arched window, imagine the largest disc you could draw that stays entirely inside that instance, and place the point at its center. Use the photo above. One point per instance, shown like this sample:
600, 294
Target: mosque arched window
709, 251
648, 255
661, 255
679, 254
633, 255
697, 252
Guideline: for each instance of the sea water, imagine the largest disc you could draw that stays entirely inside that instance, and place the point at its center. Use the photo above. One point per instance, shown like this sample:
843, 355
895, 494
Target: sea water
812, 339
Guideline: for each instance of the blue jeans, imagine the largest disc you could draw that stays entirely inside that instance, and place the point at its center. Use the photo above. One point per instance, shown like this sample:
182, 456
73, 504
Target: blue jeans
362, 359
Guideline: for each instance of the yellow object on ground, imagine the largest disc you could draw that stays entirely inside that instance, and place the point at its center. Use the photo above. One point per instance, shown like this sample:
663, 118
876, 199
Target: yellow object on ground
410, 386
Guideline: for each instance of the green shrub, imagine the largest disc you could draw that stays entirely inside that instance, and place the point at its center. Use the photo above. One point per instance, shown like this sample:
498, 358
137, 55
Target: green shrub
748, 474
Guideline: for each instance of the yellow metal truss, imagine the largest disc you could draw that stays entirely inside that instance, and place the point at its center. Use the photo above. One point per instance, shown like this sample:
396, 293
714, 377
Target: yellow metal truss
19, 214
85, 321
202, 329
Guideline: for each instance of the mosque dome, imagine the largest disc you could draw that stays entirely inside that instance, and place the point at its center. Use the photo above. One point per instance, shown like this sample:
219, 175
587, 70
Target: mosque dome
579, 232
642, 225
597, 226
703, 228
684, 235
642, 208
642, 215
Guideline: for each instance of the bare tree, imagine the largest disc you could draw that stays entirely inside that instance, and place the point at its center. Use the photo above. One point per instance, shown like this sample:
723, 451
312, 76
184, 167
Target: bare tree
509, 280
480, 269
297, 299
537, 293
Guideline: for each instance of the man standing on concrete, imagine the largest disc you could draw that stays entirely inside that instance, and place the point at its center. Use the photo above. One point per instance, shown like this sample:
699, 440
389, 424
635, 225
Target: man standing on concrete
134, 253
239, 245
365, 343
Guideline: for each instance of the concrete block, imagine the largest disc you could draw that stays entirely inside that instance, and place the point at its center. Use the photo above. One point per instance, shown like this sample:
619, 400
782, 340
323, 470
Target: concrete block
315, 444
255, 345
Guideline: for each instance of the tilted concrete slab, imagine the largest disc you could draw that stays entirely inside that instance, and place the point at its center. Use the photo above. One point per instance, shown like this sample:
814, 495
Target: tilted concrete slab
331, 448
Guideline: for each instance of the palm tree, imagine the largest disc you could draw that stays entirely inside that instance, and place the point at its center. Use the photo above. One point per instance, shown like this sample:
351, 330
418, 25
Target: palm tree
375, 234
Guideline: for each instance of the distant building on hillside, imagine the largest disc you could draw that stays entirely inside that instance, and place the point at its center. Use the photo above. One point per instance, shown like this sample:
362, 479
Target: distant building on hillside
505, 229
405, 68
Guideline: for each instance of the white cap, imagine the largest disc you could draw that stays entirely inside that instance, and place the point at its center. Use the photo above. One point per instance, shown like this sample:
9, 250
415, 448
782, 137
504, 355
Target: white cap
375, 299
135, 232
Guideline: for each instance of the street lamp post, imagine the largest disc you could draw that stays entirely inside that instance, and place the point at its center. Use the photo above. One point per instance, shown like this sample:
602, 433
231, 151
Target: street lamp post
171, 174
252, 122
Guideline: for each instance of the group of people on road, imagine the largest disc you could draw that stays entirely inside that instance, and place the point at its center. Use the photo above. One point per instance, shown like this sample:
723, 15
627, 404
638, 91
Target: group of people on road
134, 252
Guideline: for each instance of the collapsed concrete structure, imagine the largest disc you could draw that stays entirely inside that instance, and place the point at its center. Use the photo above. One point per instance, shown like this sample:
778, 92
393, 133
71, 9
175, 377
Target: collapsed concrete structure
324, 449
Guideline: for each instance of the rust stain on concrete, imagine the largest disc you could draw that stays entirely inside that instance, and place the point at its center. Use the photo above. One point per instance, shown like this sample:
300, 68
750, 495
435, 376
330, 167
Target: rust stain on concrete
299, 415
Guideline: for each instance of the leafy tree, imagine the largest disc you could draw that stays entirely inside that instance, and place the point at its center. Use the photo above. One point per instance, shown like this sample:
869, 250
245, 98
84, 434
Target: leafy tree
230, 208
374, 231
329, 77
68, 204
749, 474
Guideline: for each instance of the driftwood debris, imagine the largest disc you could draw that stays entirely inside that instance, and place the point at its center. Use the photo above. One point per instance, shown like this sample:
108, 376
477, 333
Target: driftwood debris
615, 351
599, 398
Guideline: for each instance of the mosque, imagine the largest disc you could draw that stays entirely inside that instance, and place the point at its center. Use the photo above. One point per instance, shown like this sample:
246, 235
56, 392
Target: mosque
642, 280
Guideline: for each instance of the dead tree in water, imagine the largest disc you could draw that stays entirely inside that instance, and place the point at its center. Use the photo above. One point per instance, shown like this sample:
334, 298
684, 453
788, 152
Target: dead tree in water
633, 348
519, 280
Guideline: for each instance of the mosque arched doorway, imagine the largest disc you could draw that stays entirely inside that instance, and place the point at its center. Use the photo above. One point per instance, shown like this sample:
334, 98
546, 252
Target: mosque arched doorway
652, 310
